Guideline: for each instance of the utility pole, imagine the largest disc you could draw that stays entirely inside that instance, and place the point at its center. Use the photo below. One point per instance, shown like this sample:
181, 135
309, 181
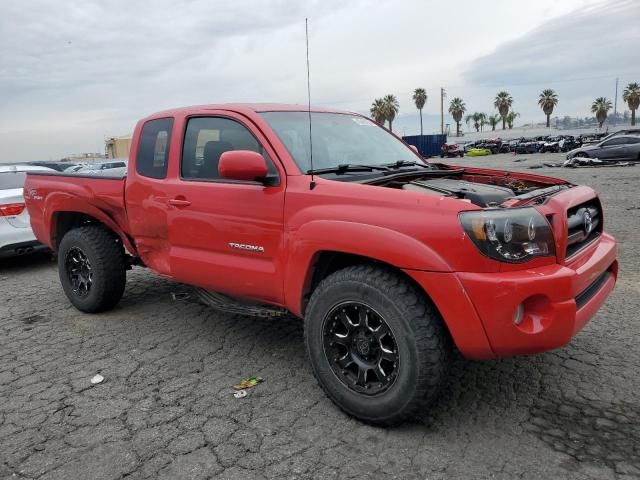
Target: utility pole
442, 95
615, 103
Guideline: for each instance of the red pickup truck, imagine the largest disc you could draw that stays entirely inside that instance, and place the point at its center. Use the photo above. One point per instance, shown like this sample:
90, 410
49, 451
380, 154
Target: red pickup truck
390, 260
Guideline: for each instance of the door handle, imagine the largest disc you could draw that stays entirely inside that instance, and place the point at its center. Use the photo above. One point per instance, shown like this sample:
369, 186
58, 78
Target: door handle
179, 202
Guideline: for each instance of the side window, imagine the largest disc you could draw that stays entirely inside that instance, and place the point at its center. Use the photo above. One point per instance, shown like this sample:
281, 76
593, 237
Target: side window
207, 138
615, 141
153, 149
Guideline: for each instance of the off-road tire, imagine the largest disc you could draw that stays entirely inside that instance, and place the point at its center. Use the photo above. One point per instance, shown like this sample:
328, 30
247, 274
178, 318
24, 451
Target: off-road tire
106, 256
423, 343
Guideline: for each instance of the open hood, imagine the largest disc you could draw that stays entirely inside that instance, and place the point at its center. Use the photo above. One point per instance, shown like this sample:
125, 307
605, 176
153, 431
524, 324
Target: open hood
483, 187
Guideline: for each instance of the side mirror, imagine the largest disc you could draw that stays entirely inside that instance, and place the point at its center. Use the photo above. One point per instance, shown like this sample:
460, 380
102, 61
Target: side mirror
242, 165
414, 148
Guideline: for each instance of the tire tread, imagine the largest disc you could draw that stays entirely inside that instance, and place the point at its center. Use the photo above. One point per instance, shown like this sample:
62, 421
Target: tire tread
110, 265
431, 336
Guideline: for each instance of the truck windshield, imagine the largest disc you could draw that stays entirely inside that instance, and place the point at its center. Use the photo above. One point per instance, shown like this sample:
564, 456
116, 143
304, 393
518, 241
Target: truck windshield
338, 139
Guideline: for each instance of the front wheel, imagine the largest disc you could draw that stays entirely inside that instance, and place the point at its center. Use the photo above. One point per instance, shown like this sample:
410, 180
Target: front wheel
377, 346
92, 269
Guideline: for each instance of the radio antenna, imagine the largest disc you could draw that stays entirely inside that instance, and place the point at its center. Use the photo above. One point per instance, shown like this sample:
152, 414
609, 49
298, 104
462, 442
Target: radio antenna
312, 184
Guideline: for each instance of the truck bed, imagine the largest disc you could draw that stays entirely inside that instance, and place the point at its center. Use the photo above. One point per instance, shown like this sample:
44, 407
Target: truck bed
94, 194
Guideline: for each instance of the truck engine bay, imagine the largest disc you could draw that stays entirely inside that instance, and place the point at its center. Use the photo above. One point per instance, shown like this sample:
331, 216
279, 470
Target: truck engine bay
483, 190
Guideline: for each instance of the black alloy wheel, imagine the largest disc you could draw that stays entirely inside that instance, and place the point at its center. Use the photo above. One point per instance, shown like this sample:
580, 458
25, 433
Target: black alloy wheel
376, 344
361, 348
92, 268
79, 272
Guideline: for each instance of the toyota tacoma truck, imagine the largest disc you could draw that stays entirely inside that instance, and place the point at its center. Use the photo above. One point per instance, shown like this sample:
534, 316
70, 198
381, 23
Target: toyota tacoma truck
391, 261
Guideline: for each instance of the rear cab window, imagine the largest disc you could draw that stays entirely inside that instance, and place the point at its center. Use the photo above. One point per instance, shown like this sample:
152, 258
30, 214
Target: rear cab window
153, 149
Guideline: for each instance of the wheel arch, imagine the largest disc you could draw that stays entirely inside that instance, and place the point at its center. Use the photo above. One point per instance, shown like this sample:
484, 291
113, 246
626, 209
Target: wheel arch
321, 247
327, 262
63, 221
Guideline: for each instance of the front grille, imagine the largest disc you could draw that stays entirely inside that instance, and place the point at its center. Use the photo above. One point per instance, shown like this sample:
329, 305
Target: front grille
578, 234
583, 297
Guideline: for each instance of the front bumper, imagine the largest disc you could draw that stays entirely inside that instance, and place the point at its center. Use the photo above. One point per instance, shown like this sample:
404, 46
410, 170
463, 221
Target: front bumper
557, 301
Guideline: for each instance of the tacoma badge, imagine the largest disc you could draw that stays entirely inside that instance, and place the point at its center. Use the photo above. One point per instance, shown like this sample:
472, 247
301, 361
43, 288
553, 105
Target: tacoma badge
244, 246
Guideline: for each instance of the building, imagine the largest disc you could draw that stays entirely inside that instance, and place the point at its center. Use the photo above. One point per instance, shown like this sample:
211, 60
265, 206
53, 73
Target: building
117, 147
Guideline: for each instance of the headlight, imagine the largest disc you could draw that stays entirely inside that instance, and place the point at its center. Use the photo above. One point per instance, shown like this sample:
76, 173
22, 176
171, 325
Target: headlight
509, 235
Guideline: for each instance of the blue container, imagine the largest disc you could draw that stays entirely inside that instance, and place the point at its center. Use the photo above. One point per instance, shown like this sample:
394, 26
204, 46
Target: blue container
427, 145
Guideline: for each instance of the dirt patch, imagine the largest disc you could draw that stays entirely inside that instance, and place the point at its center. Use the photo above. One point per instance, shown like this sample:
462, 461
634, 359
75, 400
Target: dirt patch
31, 319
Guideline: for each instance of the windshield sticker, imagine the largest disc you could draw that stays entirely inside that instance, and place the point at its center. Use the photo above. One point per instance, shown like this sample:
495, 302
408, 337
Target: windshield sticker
362, 121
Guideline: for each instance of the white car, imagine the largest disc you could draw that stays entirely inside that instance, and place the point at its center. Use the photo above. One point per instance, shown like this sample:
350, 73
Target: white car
16, 236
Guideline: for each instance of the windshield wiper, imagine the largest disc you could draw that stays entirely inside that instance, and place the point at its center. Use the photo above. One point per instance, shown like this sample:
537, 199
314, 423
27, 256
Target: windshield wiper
349, 167
405, 163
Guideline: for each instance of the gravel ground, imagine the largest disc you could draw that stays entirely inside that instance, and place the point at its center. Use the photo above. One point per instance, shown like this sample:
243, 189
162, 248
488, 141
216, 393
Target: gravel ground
166, 409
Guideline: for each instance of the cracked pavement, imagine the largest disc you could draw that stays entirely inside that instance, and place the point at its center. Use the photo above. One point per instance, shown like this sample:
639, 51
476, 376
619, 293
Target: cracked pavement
166, 407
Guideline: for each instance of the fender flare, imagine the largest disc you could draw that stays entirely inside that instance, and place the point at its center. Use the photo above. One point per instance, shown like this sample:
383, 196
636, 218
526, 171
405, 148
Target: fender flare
61, 202
378, 243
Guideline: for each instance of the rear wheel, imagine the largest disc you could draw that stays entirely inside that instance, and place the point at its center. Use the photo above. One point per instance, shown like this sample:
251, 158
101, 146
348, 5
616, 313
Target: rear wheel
377, 346
92, 268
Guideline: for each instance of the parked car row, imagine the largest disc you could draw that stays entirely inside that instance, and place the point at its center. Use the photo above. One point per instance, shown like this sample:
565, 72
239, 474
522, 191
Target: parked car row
581, 144
493, 145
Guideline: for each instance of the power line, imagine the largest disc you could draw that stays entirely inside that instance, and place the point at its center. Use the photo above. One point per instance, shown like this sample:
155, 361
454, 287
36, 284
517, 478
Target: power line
615, 103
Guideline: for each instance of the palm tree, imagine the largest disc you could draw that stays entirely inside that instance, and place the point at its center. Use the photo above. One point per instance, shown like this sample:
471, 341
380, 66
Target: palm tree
476, 118
548, 100
631, 95
457, 109
378, 111
511, 117
391, 107
420, 98
503, 102
601, 107
482, 119
493, 121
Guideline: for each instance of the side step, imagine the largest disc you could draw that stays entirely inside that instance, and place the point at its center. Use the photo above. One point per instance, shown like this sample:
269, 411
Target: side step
231, 305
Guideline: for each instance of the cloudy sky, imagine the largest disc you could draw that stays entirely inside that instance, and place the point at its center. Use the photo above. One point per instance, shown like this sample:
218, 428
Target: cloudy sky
75, 71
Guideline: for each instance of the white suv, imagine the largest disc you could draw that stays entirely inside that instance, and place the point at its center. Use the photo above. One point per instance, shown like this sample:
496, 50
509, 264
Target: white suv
16, 236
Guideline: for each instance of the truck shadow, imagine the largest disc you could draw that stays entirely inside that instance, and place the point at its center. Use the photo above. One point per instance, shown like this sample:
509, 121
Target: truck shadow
26, 263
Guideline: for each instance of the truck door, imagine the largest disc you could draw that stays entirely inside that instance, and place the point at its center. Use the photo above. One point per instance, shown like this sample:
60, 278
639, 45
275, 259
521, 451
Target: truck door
145, 194
225, 235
